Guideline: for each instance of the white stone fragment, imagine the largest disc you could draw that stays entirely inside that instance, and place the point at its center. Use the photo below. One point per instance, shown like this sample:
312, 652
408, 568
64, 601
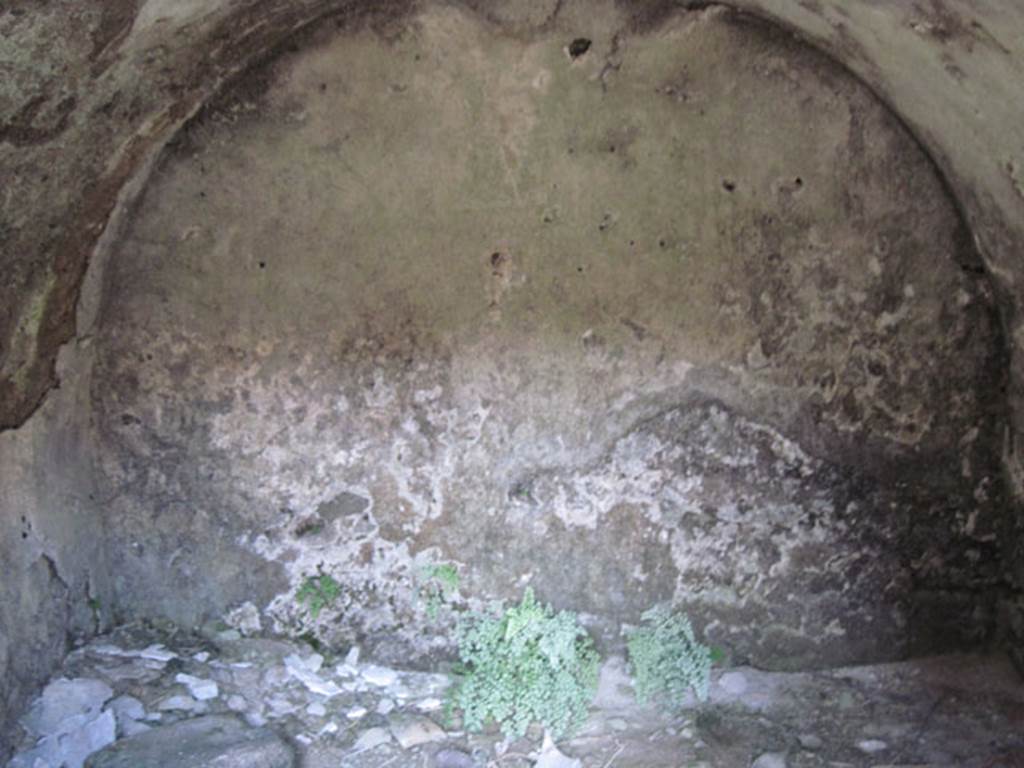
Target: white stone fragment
871, 746
280, 707
202, 657
385, 706
201, 690
429, 705
298, 669
183, 703
109, 650
330, 727
316, 709
379, 676
356, 713
157, 653
237, 703
352, 657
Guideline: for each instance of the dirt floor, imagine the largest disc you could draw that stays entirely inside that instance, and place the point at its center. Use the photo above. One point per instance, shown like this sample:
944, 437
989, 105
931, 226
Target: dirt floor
296, 707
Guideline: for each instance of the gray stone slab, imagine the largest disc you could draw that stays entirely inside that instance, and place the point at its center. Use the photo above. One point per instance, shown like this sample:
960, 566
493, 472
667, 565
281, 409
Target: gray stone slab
211, 742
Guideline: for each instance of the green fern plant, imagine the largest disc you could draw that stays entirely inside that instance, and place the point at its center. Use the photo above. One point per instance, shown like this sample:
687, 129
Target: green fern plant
527, 665
318, 592
666, 658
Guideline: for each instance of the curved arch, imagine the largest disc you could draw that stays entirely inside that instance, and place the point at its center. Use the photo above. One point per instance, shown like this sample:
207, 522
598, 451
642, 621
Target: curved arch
147, 77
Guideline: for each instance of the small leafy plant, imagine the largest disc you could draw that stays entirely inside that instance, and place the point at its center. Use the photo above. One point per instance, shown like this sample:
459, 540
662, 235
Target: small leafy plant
527, 665
318, 592
440, 586
666, 658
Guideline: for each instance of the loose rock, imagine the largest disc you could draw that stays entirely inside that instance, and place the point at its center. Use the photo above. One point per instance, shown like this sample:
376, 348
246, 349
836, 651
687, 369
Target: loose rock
222, 741
66, 705
412, 730
770, 760
201, 690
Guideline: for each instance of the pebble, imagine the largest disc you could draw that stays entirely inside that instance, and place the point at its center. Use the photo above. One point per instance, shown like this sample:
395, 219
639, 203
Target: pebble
316, 709
412, 730
352, 657
385, 707
356, 713
255, 719
237, 703
770, 760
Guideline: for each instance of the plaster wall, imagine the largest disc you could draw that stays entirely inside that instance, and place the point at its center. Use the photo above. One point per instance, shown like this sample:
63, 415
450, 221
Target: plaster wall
90, 92
676, 327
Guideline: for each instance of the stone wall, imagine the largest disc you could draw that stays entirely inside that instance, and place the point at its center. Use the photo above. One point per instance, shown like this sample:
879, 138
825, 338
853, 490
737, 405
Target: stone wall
89, 93
687, 316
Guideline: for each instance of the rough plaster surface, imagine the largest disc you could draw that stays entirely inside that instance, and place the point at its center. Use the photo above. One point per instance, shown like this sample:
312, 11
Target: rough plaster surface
90, 91
52, 551
674, 319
